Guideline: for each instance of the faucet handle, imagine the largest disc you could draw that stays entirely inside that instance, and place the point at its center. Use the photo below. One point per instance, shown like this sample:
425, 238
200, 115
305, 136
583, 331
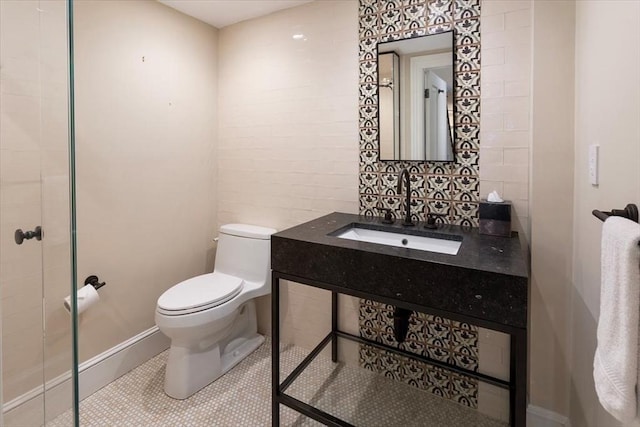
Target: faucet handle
388, 216
431, 219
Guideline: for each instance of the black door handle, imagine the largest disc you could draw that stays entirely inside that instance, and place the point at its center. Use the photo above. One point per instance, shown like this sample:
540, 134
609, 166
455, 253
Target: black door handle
20, 236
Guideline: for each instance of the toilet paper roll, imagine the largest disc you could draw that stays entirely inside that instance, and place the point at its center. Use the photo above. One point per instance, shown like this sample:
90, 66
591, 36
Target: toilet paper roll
87, 296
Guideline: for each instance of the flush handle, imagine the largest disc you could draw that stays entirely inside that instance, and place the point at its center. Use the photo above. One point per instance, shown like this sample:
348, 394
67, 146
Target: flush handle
20, 236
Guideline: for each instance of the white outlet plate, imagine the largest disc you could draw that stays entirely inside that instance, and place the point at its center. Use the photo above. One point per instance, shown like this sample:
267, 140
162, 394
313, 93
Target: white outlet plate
594, 161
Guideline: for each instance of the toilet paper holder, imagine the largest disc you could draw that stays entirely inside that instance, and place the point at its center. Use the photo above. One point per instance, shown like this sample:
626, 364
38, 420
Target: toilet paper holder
86, 296
94, 281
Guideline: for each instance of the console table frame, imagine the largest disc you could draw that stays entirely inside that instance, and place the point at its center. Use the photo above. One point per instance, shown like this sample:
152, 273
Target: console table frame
517, 384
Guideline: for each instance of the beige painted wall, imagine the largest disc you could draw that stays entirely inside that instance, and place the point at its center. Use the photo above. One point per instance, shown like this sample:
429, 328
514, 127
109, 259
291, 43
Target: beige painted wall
607, 113
33, 191
551, 203
146, 89
288, 137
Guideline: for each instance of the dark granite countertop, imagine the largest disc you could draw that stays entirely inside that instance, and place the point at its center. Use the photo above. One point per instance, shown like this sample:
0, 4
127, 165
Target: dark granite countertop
486, 281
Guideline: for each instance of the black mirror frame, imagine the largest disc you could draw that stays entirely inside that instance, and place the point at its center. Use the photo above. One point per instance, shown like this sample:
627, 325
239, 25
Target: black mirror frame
451, 126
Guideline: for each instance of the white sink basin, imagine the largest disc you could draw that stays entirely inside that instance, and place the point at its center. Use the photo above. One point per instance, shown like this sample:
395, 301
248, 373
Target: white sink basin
422, 243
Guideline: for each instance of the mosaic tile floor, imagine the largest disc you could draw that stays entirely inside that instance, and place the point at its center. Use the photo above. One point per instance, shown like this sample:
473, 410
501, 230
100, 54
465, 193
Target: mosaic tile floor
242, 398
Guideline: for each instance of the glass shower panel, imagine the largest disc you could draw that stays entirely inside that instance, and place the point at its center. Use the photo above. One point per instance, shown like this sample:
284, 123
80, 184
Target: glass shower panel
35, 276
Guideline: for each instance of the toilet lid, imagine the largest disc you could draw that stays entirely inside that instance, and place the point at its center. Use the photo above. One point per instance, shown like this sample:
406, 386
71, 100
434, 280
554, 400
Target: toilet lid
199, 293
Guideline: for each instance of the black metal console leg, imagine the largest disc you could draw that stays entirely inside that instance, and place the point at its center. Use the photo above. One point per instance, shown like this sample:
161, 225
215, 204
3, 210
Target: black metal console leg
334, 326
518, 377
275, 350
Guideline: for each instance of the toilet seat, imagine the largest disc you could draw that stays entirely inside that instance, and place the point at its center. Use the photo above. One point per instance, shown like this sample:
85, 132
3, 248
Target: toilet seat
199, 293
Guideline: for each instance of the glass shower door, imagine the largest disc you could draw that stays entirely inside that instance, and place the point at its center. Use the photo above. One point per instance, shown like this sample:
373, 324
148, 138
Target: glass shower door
36, 348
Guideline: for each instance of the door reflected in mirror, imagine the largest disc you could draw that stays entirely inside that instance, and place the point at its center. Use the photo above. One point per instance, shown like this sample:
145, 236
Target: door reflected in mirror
416, 96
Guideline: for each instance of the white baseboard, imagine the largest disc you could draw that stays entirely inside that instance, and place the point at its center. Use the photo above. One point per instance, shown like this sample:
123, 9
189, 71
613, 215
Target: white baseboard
94, 374
540, 417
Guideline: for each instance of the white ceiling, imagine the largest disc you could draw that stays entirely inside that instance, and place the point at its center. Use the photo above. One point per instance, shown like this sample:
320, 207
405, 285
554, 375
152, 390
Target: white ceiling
221, 13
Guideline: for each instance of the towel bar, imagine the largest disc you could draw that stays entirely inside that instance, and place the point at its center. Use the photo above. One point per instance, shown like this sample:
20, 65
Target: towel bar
629, 212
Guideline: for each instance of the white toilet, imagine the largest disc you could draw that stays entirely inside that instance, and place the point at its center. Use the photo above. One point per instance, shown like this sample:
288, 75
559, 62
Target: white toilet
211, 319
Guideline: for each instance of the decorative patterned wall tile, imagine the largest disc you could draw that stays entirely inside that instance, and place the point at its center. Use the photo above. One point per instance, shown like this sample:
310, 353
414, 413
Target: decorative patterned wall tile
387, 20
368, 116
389, 182
368, 72
368, 26
390, 37
368, 161
368, 183
367, 94
433, 336
391, 202
414, 16
369, 204
468, 31
417, 205
417, 167
451, 189
440, 14
467, 165
469, 133
391, 21
463, 391
465, 187
368, 7
442, 207
368, 138
468, 85
438, 186
417, 185
386, 5
467, 57
466, 212
392, 167
440, 168
367, 49
466, 9
412, 2
468, 112
414, 33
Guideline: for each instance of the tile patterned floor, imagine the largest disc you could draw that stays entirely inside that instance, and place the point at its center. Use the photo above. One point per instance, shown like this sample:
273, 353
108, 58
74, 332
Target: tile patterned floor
242, 398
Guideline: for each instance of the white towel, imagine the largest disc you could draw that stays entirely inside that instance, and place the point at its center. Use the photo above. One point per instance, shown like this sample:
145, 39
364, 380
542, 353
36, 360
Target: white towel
615, 365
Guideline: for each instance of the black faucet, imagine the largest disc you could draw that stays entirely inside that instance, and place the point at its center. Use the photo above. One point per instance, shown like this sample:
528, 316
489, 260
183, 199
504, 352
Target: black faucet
405, 175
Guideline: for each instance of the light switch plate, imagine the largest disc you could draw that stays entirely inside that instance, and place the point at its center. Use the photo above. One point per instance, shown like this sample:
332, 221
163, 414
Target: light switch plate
594, 161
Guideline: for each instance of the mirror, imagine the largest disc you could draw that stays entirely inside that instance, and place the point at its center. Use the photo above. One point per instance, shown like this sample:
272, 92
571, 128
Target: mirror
416, 96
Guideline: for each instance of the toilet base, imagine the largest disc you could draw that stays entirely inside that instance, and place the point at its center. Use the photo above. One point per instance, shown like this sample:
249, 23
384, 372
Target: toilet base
232, 357
191, 368
204, 368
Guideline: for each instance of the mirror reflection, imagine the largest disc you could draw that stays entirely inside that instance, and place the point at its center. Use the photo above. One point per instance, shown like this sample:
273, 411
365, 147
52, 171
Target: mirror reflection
416, 98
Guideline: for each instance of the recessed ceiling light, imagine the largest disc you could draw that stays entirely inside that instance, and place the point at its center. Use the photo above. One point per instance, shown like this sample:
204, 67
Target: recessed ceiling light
298, 37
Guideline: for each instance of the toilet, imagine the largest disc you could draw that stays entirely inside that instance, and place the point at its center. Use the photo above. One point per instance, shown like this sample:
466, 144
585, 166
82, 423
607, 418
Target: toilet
211, 319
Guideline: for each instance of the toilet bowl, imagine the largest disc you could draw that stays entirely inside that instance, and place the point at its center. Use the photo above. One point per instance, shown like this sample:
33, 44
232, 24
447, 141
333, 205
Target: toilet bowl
211, 318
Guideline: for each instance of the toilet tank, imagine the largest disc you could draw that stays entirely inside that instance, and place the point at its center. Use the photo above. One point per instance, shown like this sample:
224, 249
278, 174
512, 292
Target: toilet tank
244, 251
